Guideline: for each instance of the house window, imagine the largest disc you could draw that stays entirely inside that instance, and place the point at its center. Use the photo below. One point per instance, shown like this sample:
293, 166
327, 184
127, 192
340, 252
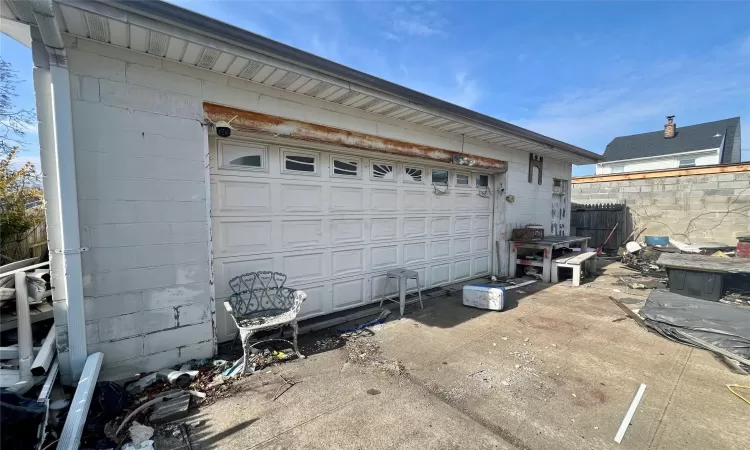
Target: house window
383, 171
440, 176
300, 162
240, 155
620, 168
462, 180
687, 162
413, 174
344, 167
483, 180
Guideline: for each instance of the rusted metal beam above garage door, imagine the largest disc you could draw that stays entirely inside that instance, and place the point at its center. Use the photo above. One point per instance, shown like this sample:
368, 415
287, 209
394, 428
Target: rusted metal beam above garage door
280, 126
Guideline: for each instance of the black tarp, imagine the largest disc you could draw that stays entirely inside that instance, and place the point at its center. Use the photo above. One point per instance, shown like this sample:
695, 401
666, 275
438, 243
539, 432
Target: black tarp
725, 326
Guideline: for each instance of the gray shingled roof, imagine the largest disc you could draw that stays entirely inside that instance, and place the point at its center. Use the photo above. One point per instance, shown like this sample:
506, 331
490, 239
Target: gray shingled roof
687, 139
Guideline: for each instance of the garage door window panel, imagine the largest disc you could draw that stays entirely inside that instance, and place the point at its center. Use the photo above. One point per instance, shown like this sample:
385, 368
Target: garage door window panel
298, 162
463, 180
242, 156
383, 171
345, 167
413, 174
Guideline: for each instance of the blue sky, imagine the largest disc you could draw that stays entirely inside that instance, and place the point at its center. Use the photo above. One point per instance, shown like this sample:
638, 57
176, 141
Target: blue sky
579, 72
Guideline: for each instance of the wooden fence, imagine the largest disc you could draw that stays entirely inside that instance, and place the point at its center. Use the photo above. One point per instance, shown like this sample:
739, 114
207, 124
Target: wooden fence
31, 244
596, 221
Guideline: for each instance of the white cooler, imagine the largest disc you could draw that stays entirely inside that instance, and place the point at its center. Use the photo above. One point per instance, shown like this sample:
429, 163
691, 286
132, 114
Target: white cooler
484, 296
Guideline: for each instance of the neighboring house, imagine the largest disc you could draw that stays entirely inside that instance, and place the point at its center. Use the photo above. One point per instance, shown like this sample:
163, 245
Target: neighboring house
675, 147
330, 175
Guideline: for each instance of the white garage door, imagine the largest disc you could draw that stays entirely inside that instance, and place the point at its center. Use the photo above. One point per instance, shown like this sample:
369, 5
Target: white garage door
336, 222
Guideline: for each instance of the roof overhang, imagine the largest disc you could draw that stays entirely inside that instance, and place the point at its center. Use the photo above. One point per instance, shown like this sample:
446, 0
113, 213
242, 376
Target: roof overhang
177, 34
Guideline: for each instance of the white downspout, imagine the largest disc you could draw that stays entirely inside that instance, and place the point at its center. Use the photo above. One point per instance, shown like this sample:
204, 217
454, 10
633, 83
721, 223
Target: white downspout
43, 94
68, 201
54, 112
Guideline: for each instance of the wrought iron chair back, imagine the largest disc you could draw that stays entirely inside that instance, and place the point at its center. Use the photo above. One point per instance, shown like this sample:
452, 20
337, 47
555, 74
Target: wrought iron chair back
255, 292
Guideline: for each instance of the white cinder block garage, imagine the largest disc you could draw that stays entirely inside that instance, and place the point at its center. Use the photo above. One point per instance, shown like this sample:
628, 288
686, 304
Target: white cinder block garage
331, 176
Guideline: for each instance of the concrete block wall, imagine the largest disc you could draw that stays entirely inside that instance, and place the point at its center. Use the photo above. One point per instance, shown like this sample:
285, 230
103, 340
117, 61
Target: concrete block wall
693, 208
142, 193
140, 167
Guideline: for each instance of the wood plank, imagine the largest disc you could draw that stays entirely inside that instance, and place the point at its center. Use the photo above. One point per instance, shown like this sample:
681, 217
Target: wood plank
577, 260
44, 357
704, 263
42, 311
638, 319
665, 173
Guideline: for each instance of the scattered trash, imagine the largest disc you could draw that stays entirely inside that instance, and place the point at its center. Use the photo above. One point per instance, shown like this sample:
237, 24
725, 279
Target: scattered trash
505, 383
170, 410
532, 272
633, 247
175, 377
139, 434
137, 387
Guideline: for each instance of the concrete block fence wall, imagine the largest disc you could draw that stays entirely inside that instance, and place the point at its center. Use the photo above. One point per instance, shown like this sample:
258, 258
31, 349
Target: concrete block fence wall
711, 207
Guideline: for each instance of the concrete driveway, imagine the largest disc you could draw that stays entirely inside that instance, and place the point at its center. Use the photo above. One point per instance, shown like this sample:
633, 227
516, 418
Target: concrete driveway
557, 369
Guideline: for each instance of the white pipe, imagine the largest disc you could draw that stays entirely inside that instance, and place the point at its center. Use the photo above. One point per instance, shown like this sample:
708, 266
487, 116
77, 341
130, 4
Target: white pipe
629, 415
68, 207
23, 269
43, 94
25, 342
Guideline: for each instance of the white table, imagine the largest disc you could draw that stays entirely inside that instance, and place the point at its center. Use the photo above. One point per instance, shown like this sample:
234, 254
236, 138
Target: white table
547, 244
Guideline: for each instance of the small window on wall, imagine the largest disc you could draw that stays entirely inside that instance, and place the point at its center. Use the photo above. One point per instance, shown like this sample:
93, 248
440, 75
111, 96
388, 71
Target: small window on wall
440, 176
342, 166
413, 174
383, 171
462, 180
559, 187
483, 180
620, 168
299, 162
687, 162
241, 155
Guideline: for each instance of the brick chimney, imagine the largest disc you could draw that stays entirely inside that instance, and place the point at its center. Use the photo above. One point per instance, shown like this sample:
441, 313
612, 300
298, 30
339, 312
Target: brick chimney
669, 128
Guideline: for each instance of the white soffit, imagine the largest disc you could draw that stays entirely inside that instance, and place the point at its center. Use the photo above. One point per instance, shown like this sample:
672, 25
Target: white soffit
276, 73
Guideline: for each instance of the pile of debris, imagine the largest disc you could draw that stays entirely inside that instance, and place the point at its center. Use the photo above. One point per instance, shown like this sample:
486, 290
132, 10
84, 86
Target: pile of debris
364, 351
28, 356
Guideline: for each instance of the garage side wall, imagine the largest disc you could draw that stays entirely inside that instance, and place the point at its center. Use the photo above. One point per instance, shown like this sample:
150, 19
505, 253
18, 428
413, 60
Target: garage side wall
141, 195
142, 192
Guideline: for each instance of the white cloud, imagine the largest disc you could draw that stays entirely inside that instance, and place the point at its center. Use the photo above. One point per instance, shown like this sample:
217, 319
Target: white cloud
637, 100
24, 157
391, 36
413, 27
467, 92
417, 20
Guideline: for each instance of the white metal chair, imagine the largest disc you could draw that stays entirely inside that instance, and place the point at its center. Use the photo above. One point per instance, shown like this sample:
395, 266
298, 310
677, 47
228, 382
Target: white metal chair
261, 302
402, 275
